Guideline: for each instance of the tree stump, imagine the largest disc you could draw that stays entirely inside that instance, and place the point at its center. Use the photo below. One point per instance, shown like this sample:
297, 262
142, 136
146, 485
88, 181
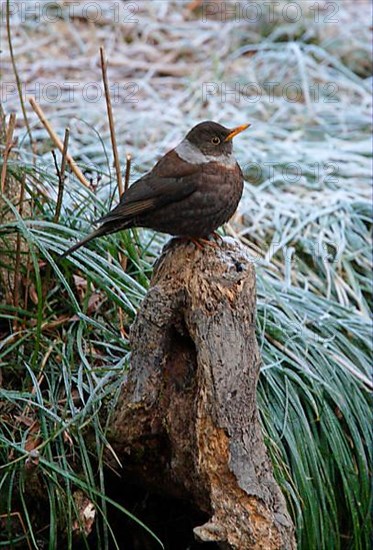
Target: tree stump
186, 424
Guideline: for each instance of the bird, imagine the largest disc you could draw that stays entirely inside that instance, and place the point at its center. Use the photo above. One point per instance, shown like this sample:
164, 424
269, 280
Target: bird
191, 191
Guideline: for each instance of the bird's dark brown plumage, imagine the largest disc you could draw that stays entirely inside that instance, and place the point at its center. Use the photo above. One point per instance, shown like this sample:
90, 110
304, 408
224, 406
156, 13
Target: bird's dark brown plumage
190, 192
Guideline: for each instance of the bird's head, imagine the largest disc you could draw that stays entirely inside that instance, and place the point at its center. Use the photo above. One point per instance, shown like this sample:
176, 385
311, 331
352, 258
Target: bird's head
213, 139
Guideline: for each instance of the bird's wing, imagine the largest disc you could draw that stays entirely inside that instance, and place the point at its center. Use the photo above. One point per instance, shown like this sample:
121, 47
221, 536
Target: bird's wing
171, 180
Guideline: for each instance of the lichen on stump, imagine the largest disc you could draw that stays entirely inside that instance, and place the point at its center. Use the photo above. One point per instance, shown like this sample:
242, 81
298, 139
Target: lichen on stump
186, 423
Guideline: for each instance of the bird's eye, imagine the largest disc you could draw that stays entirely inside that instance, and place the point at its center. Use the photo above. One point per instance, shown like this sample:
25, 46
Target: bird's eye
215, 140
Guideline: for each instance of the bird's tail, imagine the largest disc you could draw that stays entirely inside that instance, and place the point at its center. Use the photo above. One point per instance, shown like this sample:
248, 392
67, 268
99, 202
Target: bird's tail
105, 229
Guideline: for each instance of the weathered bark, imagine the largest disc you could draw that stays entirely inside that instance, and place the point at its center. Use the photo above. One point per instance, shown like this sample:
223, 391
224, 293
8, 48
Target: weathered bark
186, 422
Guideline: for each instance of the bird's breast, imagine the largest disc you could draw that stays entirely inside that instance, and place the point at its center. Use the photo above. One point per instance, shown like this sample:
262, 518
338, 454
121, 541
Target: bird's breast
218, 190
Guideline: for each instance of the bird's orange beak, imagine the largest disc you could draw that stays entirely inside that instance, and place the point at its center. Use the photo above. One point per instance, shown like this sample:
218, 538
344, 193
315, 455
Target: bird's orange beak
236, 131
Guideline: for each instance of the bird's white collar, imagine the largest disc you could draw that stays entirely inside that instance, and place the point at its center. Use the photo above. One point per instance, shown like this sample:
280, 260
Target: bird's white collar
190, 153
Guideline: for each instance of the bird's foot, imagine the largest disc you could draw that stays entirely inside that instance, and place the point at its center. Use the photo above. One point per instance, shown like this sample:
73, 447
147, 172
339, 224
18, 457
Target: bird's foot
200, 242
217, 236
